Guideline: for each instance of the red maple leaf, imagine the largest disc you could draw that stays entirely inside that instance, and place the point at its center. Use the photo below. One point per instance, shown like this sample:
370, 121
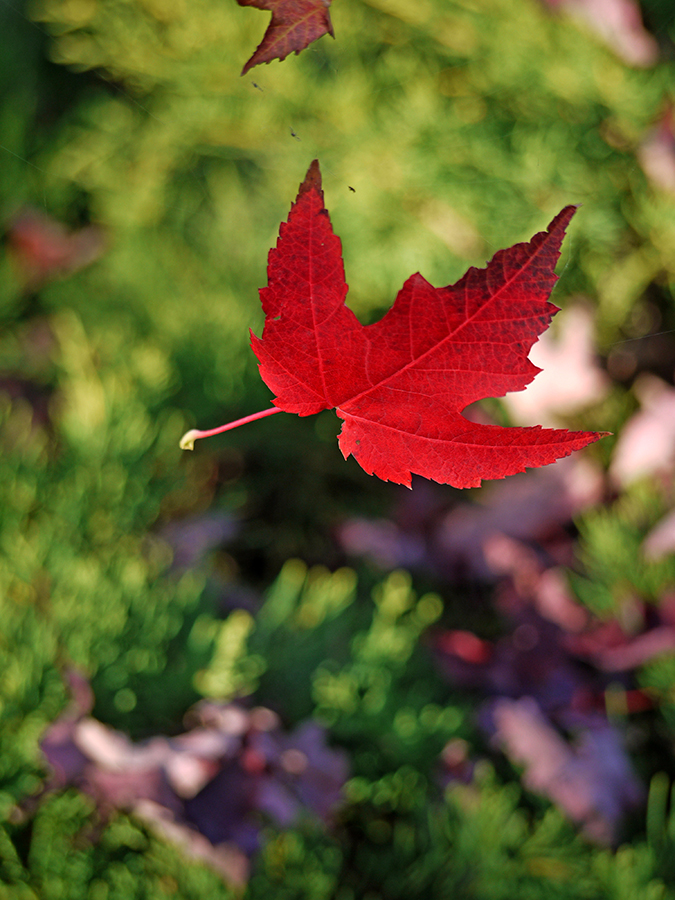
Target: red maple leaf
294, 25
400, 384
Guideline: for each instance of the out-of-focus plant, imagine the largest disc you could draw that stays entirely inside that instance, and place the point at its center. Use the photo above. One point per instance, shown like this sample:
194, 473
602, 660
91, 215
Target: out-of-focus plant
141, 185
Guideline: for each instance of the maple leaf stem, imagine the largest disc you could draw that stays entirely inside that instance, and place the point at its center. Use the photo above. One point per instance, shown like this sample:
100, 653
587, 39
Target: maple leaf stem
187, 442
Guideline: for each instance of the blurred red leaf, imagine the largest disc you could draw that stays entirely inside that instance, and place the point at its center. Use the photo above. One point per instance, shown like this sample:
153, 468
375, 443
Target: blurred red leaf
295, 24
466, 645
592, 781
401, 384
44, 248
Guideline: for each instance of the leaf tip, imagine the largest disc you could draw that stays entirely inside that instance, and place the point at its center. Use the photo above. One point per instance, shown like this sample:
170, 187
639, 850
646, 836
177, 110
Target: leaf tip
564, 217
312, 178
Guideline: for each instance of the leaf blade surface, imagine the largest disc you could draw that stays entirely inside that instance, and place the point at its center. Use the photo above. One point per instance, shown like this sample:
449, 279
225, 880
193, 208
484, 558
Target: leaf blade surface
400, 384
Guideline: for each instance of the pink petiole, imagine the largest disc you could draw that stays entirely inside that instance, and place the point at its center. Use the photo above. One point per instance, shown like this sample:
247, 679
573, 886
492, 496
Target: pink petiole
187, 442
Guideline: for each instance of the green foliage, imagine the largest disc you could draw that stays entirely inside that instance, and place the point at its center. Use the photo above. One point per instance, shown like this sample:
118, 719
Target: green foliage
478, 843
297, 866
658, 678
455, 137
617, 572
357, 666
461, 127
80, 581
61, 857
619, 580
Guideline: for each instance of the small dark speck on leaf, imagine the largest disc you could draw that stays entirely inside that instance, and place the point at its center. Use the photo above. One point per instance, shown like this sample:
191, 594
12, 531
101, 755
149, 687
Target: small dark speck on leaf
293, 134
353, 190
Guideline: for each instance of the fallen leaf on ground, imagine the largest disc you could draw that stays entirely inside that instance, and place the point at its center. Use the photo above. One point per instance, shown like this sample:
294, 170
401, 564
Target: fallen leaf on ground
205, 788
592, 781
646, 445
661, 539
619, 24
570, 376
44, 248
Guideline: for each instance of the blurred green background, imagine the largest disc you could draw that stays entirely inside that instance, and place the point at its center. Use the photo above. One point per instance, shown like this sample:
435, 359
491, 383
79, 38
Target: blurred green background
142, 183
